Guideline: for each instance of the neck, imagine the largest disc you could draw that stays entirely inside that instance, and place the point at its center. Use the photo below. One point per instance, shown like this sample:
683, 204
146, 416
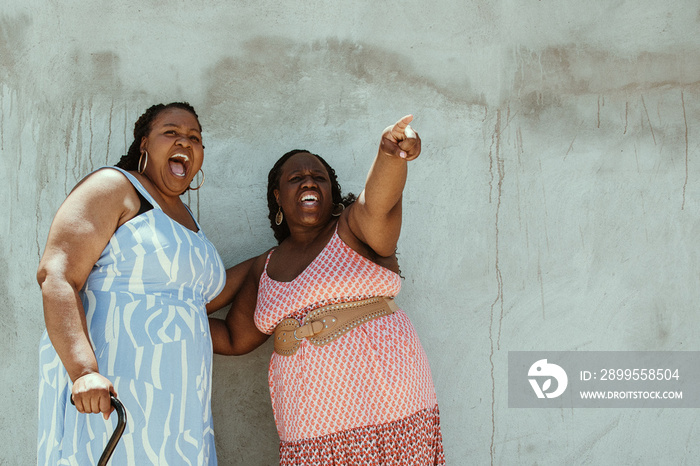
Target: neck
303, 237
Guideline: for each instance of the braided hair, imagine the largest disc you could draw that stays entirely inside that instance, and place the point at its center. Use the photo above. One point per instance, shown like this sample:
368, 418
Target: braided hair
142, 128
273, 182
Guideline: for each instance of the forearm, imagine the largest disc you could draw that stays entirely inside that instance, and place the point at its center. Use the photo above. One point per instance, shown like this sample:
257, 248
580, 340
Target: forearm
384, 185
375, 218
237, 334
67, 327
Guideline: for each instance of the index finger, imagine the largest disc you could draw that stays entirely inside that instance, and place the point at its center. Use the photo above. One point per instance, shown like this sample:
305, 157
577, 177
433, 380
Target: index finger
398, 131
105, 406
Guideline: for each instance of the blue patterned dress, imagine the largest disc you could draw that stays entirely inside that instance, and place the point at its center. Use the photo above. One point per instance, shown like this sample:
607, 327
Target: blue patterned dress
145, 306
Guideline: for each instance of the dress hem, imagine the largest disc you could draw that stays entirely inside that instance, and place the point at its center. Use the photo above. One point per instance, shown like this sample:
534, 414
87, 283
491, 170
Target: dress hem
413, 440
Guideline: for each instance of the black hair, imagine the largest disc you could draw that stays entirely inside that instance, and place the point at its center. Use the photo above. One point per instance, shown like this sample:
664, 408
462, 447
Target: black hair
142, 127
273, 182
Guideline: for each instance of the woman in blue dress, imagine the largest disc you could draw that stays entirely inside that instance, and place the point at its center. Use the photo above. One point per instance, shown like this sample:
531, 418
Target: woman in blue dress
125, 277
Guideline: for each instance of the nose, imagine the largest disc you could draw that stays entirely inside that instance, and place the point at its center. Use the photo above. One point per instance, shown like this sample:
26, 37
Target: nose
308, 182
183, 141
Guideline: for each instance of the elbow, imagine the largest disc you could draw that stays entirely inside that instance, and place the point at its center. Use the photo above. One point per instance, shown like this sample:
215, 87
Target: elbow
41, 277
231, 349
47, 282
223, 352
53, 282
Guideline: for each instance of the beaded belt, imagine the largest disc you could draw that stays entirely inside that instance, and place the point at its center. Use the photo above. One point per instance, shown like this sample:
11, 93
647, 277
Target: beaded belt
328, 323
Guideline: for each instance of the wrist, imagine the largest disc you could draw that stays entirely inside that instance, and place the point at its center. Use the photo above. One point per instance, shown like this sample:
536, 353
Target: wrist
85, 372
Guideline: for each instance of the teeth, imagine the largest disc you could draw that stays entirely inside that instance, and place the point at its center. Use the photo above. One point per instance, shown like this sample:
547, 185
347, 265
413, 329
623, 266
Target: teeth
181, 156
308, 198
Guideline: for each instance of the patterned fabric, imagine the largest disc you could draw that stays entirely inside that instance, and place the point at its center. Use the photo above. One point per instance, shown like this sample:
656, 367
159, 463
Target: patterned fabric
144, 302
415, 440
375, 377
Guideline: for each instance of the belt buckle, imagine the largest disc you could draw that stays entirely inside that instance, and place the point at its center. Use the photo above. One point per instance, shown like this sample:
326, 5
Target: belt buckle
284, 344
294, 333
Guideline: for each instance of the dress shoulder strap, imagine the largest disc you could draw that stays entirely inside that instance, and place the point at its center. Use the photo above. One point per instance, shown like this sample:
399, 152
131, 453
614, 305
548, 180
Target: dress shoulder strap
137, 184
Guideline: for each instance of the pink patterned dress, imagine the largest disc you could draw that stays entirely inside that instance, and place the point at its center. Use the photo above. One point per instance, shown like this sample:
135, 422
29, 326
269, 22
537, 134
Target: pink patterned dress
366, 398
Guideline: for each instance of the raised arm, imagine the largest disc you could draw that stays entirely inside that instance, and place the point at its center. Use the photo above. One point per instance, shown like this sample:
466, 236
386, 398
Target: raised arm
375, 218
237, 334
79, 233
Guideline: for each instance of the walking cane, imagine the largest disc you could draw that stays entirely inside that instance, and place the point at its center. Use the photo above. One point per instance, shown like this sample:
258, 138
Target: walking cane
118, 431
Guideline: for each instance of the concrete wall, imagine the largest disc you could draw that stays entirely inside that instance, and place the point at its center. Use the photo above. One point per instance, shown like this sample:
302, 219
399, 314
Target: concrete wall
554, 207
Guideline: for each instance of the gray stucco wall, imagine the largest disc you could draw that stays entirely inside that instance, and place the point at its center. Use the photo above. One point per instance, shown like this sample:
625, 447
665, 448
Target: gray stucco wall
554, 207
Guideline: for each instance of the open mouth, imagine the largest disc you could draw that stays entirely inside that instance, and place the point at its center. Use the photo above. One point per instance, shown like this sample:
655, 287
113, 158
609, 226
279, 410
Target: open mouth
309, 199
179, 163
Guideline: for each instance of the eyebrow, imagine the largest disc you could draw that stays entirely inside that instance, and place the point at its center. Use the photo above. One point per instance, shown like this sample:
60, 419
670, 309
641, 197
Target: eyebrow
314, 171
173, 125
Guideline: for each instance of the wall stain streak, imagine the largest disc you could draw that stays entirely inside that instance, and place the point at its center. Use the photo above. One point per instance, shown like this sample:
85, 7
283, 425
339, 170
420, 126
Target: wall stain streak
571, 146
109, 131
499, 281
692, 439
627, 111
92, 163
648, 120
36, 232
539, 278
685, 120
544, 203
69, 130
126, 127
491, 173
2, 119
77, 172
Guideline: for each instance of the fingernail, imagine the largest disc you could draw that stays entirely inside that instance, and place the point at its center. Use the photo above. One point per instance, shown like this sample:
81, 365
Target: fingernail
402, 155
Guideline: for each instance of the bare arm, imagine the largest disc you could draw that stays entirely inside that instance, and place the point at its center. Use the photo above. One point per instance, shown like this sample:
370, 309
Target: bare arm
375, 218
237, 334
79, 233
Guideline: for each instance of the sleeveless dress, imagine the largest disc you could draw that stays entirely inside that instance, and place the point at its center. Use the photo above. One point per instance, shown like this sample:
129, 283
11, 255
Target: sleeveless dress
366, 398
144, 302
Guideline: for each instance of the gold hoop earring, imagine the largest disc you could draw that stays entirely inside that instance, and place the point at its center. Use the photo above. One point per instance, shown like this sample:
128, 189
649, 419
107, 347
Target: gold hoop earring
138, 167
279, 217
200, 184
336, 212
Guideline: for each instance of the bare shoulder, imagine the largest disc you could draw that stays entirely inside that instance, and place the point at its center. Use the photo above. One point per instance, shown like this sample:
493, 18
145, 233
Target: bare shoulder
258, 265
105, 192
104, 180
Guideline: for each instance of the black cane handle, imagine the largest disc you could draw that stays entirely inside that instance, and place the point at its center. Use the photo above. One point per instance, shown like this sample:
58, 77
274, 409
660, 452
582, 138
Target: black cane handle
118, 431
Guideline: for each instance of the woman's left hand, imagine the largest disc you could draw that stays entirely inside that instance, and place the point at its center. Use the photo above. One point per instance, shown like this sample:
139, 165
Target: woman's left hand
400, 140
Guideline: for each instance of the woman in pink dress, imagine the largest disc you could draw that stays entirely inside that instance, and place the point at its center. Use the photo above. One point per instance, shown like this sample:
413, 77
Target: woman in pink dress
349, 380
